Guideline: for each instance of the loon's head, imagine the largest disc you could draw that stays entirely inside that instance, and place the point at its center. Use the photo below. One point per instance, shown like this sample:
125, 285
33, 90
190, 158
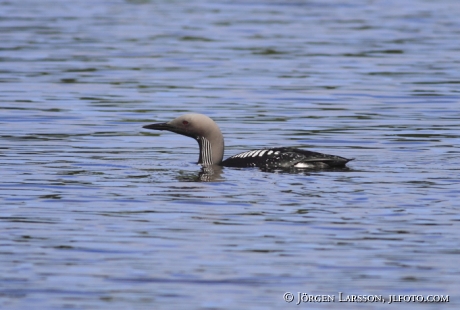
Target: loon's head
201, 128
192, 125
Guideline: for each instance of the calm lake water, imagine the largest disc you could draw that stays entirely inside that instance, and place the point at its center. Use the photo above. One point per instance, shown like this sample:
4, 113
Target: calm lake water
98, 213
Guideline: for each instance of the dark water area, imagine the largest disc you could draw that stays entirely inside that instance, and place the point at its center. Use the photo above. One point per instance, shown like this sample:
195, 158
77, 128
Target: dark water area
98, 213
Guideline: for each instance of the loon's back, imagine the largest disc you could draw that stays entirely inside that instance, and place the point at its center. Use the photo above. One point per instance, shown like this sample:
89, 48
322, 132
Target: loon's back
285, 157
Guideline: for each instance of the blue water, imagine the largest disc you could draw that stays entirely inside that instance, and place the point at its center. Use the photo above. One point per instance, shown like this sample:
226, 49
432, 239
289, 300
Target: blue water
98, 213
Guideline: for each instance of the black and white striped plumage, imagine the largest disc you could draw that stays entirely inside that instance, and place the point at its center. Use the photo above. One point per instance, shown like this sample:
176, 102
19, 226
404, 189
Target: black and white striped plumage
285, 157
211, 143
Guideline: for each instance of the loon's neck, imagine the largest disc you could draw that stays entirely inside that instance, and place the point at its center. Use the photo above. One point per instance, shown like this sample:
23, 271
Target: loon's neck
211, 150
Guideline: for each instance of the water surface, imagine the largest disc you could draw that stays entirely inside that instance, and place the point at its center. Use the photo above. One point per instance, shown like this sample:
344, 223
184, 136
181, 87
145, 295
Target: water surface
98, 213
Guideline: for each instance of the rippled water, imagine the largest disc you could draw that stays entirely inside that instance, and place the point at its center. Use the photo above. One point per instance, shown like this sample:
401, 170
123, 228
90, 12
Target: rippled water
98, 213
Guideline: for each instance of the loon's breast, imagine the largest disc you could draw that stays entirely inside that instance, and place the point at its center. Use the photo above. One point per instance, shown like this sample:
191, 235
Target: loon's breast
285, 157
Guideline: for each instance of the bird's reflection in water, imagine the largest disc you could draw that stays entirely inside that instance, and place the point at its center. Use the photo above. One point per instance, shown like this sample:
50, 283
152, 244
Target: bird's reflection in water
206, 174
213, 173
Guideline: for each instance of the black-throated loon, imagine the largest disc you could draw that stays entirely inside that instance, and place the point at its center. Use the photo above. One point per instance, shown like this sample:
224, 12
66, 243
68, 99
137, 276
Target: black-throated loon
211, 142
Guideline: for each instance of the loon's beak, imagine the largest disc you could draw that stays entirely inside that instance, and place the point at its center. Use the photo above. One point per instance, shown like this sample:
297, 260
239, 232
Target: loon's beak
168, 127
159, 126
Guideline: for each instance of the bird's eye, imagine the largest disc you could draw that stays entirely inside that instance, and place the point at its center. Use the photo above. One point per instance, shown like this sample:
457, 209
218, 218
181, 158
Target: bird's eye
185, 122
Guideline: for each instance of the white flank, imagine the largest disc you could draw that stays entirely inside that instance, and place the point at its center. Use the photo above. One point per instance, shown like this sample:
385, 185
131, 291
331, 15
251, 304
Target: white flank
302, 165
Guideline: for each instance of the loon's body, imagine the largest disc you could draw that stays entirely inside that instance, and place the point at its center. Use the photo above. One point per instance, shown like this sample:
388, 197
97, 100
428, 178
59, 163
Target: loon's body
211, 143
285, 157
